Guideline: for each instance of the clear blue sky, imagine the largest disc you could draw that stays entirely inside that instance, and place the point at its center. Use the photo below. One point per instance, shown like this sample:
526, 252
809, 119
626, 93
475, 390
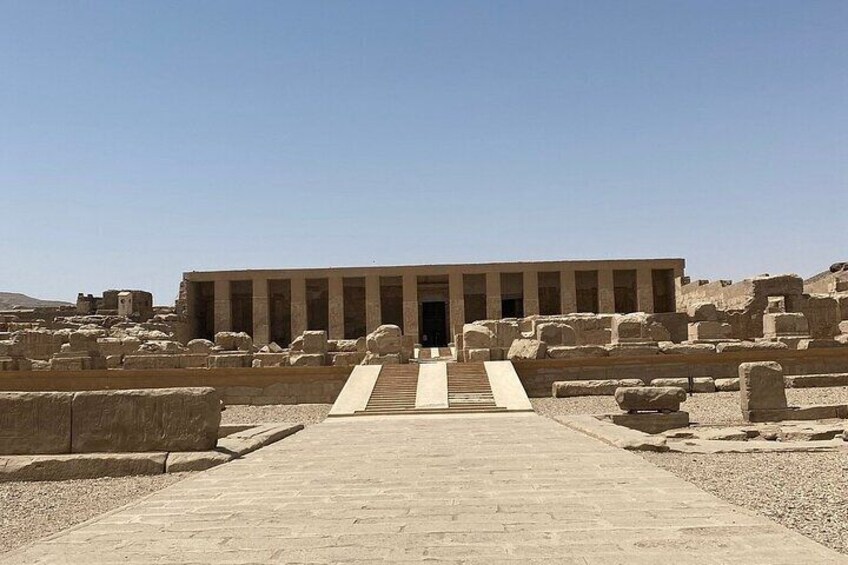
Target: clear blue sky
139, 140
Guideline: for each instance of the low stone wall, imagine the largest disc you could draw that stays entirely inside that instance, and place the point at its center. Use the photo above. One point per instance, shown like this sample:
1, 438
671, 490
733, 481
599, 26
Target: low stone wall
538, 376
237, 385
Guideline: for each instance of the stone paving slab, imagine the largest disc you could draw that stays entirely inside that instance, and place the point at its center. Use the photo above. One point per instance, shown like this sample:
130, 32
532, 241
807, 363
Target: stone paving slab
499, 488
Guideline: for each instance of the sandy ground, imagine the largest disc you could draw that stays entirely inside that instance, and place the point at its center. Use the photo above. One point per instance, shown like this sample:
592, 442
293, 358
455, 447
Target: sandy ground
807, 492
33, 510
306, 414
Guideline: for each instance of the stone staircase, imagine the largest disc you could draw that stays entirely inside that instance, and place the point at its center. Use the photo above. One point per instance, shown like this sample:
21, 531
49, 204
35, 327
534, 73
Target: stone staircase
469, 388
394, 391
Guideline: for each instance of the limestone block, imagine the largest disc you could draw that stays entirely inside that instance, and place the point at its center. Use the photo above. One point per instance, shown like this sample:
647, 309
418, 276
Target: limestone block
507, 332
110, 346
343, 345
761, 387
655, 423
523, 349
630, 328
193, 360
272, 348
776, 305
477, 355
785, 324
200, 346
476, 336
234, 341
577, 352
727, 385
35, 422
658, 332
556, 334
823, 315
167, 419
77, 361
386, 339
669, 348
632, 350
388, 359
805, 344
709, 330
85, 340
702, 312
699, 384
315, 341
597, 387
159, 346
731, 346
296, 344
650, 398
297, 359
180, 461
114, 361
63, 467
272, 359
229, 360
149, 362
843, 327
346, 358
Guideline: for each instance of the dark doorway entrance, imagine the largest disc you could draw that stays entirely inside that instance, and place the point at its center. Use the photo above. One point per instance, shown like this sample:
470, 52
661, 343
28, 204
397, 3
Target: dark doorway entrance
434, 324
512, 308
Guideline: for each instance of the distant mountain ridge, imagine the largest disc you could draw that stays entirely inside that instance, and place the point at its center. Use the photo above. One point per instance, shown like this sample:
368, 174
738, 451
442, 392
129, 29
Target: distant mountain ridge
9, 300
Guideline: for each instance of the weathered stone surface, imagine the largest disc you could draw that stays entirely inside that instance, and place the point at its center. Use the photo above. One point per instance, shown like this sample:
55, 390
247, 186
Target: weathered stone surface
63, 467
761, 387
35, 422
388, 359
158, 346
818, 344
700, 384
297, 359
731, 346
200, 346
632, 349
272, 348
702, 312
346, 345
727, 385
669, 348
576, 352
709, 330
384, 340
229, 360
230, 341
814, 412
648, 423
507, 331
823, 315
315, 341
650, 398
477, 355
180, 461
347, 358
784, 324
523, 349
168, 419
601, 387
147, 362
630, 328
556, 334
476, 336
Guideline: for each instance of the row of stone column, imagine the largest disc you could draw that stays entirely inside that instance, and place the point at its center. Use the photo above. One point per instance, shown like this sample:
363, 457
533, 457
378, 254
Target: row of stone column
456, 308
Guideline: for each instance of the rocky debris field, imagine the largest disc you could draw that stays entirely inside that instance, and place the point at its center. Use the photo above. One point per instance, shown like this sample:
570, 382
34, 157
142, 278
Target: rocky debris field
806, 492
715, 408
33, 510
306, 414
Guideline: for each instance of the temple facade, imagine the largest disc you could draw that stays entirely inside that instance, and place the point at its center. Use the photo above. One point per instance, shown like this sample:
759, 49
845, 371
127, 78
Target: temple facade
431, 302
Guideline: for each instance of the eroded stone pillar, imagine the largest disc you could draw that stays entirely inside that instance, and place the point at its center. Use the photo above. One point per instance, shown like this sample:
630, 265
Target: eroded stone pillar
531, 293
373, 314
568, 291
645, 290
298, 306
410, 305
223, 307
493, 296
457, 304
335, 288
606, 292
261, 320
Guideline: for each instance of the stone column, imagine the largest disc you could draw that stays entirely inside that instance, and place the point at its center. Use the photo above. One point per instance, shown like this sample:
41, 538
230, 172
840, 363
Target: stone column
298, 306
531, 293
373, 313
335, 288
410, 306
261, 319
493, 296
606, 292
568, 291
645, 290
456, 293
223, 307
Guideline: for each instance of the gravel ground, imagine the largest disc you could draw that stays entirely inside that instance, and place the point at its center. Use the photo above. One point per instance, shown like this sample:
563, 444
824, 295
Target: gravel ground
33, 510
806, 492
720, 408
305, 414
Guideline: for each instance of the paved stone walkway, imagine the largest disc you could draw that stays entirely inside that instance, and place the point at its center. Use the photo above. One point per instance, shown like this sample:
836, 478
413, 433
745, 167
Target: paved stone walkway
502, 488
